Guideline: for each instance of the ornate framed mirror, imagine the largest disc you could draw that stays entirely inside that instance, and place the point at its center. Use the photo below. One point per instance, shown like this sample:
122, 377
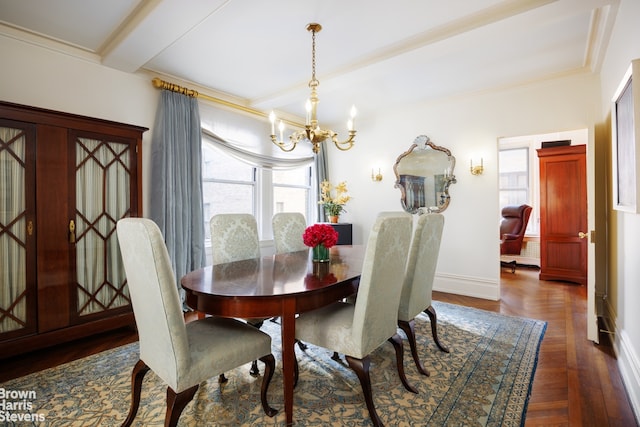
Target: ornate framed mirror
423, 174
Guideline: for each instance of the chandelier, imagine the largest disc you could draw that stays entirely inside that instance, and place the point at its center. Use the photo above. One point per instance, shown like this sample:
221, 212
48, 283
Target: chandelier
312, 131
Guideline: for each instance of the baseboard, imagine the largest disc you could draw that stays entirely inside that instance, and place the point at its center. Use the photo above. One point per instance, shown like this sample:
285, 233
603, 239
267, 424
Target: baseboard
467, 286
628, 360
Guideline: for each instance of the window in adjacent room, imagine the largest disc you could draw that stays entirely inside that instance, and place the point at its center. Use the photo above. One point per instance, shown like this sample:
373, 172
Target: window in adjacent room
516, 180
514, 177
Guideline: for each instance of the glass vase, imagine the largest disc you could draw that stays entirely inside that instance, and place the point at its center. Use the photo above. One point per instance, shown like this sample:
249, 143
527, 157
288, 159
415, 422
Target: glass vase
320, 253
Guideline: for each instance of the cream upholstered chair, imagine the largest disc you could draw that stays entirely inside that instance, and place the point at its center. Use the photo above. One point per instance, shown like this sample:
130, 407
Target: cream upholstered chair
288, 228
182, 355
418, 281
356, 330
234, 237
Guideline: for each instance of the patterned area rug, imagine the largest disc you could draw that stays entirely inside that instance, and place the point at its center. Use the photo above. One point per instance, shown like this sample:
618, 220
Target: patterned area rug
485, 380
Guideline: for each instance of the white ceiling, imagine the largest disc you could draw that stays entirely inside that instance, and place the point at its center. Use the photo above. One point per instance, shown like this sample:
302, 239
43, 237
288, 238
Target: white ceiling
369, 52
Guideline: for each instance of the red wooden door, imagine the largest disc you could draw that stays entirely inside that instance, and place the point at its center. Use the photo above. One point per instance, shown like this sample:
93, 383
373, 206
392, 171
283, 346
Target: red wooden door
563, 214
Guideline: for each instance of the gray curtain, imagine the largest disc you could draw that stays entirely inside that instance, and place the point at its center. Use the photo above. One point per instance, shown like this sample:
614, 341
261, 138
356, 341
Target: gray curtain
176, 181
321, 175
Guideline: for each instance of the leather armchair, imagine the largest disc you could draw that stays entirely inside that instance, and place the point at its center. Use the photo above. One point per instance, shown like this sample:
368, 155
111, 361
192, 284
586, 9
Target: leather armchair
512, 227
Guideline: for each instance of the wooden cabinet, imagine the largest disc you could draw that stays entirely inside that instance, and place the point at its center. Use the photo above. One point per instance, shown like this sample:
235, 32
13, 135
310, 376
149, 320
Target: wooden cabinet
65, 182
563, 214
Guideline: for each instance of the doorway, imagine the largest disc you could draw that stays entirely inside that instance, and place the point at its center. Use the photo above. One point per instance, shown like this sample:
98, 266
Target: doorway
528, 185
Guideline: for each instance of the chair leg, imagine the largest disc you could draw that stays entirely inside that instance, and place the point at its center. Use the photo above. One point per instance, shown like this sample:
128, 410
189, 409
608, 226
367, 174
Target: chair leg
409, 330
176, 402
296, 370
510, 264
270, 366
254, 371
361, 368
397, 344
139, 371
431, 312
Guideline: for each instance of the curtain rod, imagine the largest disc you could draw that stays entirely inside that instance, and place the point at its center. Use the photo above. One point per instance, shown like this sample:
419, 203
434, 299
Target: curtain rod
158, 83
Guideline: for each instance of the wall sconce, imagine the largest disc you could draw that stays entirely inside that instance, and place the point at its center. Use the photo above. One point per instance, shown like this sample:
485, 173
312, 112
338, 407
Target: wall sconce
376, 177
477, 170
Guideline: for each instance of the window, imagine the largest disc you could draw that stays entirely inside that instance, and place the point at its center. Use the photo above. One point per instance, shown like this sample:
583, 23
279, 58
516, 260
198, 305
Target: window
233, 186
514, 177
228, 185
291, 190
517, 178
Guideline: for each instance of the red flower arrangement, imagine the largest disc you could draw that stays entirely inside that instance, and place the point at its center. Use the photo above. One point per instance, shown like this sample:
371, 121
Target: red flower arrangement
320, 234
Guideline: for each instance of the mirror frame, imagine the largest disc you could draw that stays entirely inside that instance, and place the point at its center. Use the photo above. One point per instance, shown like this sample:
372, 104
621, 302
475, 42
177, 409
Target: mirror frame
423, 142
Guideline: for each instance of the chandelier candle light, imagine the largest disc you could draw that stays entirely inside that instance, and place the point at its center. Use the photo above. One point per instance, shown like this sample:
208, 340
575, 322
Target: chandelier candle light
312, 131
320, 237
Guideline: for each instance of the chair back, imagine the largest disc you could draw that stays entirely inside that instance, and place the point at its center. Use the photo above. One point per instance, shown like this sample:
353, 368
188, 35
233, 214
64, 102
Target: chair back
234, 237
376, 309
421, 266
512, 228
154, 296
288, 228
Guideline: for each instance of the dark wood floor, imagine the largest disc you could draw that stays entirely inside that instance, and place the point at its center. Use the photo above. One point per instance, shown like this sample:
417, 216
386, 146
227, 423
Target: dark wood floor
577, 382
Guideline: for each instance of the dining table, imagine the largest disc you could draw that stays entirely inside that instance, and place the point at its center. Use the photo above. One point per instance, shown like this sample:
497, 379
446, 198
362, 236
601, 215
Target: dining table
280, 285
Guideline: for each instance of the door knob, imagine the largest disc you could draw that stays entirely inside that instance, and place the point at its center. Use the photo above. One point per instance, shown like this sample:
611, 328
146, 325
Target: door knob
582, 235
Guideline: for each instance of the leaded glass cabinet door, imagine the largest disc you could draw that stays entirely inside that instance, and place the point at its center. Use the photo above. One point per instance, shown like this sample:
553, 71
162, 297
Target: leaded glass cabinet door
17, 242
105, 186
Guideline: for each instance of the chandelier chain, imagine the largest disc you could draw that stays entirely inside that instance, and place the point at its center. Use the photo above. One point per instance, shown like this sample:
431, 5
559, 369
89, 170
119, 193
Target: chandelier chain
313, 57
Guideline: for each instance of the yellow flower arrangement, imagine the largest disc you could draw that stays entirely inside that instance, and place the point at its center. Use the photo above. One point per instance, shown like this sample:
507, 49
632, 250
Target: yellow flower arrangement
333, 203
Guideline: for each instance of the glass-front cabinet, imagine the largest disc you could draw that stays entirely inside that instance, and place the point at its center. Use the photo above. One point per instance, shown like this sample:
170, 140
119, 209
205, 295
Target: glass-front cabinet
17, 243
65, 181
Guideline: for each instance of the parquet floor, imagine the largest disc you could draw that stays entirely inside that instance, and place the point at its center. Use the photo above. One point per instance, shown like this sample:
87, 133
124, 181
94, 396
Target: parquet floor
577, 382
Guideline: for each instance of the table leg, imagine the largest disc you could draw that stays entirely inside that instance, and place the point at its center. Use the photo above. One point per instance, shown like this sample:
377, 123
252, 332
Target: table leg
288, 329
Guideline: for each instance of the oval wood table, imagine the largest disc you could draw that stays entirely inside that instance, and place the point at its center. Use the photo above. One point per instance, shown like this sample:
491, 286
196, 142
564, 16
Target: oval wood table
276, 286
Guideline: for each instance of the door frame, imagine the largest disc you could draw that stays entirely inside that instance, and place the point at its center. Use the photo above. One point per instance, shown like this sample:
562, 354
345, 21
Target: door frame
581, 136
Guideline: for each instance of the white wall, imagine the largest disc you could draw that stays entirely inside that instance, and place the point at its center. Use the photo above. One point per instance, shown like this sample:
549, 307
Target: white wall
469, 127
623, 292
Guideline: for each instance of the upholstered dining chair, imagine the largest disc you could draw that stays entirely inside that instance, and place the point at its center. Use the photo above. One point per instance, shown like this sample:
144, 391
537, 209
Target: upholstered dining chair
356, 330
234, 237
288, 228
182, 355
418, 281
